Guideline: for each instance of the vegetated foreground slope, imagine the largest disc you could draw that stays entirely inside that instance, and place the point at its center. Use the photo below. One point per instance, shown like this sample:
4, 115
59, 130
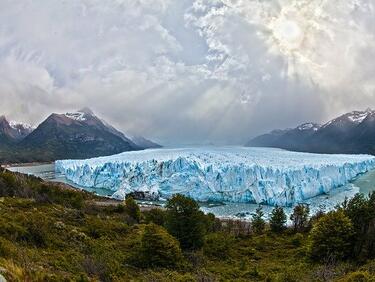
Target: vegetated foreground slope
52, 233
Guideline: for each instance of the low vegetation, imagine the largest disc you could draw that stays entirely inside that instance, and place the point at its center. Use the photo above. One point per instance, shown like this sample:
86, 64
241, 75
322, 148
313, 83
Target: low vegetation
49, 232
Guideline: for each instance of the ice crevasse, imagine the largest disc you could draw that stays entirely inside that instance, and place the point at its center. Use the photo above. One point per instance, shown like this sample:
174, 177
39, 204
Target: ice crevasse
233, 174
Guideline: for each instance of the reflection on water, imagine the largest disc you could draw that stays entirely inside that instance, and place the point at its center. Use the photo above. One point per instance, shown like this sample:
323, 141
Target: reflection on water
363, 184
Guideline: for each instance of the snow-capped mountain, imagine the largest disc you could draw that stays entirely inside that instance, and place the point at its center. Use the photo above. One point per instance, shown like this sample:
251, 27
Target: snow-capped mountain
22, 129
352, 132
7, 133
79, 134
12, 132
85, 114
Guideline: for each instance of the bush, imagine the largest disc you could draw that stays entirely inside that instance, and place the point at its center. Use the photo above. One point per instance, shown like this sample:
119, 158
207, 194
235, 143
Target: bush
257, 221
277, 219
132, 209
331, 237
36, 234
185, 222
218, 245
158, 248
156, 216
213, 224
297, 240
358, 276
7, 249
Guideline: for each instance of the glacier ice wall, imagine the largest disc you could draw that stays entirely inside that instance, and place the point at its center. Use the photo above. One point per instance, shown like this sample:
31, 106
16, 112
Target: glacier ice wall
233, 174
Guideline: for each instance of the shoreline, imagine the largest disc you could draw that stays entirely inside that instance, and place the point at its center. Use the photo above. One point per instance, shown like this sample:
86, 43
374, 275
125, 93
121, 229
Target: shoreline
7, 165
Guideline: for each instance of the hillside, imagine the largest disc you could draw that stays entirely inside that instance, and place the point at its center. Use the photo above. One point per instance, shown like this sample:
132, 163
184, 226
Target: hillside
74, 135
49, 232
351, 133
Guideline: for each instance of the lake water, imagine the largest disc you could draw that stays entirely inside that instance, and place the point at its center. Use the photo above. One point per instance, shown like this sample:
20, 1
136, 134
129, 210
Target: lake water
363, 184
47, 172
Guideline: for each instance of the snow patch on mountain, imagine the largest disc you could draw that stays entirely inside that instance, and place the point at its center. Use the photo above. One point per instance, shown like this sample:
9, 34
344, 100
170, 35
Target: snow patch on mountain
233, 174
308, 126
79, 116
359, 116
21, 125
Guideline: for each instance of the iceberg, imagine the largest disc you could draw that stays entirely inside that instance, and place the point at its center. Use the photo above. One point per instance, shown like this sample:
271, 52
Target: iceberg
225, 174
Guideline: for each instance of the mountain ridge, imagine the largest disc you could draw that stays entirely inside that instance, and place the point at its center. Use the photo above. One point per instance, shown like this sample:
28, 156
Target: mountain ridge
73, 135
352, 132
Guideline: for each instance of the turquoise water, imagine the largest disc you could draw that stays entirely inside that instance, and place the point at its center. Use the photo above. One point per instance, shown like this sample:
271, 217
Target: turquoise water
366, 182
363, 184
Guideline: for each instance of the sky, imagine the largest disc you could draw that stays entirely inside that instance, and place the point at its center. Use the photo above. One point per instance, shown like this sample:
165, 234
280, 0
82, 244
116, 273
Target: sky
188, 71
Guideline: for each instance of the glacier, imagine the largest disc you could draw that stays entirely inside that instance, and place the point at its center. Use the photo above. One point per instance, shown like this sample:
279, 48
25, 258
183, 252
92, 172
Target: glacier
225, 174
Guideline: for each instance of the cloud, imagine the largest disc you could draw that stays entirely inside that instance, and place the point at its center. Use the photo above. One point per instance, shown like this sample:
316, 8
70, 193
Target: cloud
189, 71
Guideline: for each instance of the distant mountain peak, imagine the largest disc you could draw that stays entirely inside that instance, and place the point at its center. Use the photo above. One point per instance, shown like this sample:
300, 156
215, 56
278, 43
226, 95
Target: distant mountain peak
3, 118
13, 131
353, 132
79, 116
18, 125
144, 143
355, 117
359, 116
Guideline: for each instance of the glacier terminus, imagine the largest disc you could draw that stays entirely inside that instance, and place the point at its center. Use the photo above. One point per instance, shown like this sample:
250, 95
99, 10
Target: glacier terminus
225, 174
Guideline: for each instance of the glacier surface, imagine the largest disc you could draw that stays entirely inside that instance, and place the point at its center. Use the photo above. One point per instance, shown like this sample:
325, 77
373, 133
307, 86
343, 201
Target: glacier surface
228, 174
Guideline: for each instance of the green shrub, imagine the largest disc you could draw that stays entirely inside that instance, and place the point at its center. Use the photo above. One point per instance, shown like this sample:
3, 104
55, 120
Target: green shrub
297, 239
331, 237
132, 209
185, 222
277, 219
36, 234
156, 216
358, 276
218, 245
7, 249
158, 248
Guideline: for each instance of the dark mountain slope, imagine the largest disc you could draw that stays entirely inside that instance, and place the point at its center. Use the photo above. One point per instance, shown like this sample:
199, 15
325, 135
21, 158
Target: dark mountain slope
75, 135
145, 143
353, 132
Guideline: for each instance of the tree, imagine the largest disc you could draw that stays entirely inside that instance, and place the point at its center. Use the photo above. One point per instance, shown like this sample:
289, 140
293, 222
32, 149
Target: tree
300, 217
277, 219
185, 222
132, 209
257, 221
159, 248
361, 211
331, 237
